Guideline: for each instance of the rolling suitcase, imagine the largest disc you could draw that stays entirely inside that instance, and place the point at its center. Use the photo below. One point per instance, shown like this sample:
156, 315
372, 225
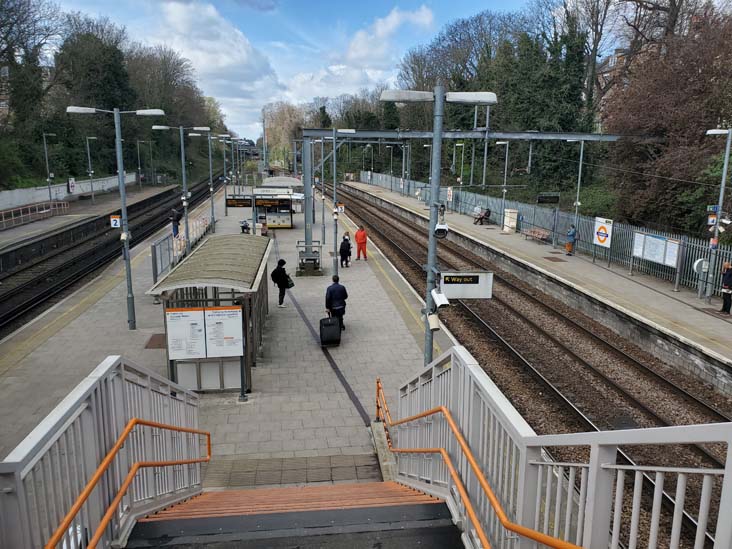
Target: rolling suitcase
330, 332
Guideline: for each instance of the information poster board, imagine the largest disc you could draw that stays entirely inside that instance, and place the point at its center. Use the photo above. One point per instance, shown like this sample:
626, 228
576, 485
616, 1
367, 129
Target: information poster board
658, 249
186, 333
224, 332
603, 233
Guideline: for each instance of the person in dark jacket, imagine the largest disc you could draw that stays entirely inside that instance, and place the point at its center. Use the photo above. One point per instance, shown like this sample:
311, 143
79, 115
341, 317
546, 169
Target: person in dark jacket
335, 300
281, 280
175, 217
726, 287
345, 251
571, 239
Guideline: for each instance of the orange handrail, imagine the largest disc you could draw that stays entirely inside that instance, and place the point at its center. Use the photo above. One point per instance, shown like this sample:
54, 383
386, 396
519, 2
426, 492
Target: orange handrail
104, 465
382, 413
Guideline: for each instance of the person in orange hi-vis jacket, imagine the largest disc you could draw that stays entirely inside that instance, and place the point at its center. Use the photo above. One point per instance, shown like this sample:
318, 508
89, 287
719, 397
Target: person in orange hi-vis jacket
361, 243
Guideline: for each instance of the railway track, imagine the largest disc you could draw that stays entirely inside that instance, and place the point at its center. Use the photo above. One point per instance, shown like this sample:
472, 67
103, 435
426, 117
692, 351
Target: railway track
31, 285
540, 338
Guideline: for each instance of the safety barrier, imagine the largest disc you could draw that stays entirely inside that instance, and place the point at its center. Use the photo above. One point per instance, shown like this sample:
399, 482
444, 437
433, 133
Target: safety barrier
511, 480
168, 250
43, 476
30, 213
557, 223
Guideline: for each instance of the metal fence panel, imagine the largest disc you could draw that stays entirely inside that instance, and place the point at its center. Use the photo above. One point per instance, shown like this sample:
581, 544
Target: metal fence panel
557, 223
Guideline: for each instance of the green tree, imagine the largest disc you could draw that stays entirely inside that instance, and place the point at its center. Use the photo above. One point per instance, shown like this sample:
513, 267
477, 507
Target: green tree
324, 118
390, 116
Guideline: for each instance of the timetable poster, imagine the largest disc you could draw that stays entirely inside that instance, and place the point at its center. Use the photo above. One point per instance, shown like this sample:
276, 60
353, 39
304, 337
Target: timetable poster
186, 333
224, 333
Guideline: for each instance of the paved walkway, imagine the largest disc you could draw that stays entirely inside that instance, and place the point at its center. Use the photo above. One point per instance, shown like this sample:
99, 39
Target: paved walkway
41, 362
79, 210
308, 414
306, 419
648, 298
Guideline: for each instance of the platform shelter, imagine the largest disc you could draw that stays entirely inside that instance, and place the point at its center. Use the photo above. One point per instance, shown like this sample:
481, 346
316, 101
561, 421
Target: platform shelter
215, 307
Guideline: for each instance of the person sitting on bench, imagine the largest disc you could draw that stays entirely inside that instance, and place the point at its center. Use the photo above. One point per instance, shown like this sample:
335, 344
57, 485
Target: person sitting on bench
482, 216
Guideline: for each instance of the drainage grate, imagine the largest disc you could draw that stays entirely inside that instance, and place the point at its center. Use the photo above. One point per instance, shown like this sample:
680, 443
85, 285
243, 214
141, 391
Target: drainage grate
556, 259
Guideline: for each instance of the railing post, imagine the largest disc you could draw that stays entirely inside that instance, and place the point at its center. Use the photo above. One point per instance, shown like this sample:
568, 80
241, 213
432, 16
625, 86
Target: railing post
14, 522
598, 507
723, 532
527, 492
154, 257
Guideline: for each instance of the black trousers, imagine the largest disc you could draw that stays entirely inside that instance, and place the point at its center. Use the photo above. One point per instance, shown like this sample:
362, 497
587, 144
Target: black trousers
282, 295
726, 302
339, 313
344, 260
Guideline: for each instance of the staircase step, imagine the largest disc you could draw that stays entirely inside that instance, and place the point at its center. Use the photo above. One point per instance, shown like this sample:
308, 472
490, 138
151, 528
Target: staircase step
427, 526
293, 499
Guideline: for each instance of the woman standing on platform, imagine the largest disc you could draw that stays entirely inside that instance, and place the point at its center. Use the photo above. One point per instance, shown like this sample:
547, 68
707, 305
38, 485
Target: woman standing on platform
726, 287
345, 251
571, 238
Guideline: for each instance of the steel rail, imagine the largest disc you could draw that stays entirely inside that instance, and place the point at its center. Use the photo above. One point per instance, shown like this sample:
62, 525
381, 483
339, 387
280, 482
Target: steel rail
107, 250
668, 501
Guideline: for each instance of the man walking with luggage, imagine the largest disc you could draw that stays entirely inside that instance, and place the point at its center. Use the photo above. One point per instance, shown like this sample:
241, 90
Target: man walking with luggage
361, 238
335, 300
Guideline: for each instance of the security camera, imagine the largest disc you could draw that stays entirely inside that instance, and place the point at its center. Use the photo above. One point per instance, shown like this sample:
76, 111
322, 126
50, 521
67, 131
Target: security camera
441, 230
726, 220
439, 299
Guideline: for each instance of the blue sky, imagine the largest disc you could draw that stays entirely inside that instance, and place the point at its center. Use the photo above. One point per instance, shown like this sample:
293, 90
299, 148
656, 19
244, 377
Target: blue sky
250, 52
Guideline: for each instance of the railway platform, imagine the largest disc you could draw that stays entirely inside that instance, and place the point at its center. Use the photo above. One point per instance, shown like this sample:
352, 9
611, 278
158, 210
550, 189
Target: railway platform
649, 301
79, 211
309, 412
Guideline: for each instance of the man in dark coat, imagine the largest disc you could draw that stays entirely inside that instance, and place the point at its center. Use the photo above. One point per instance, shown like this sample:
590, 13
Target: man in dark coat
281, 280
335, 300
345, 251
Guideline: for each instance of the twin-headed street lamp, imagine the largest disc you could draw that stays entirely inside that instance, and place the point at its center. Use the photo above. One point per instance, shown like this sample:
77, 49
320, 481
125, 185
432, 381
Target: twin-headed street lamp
438, 97
579, 178
186, 194
125, 237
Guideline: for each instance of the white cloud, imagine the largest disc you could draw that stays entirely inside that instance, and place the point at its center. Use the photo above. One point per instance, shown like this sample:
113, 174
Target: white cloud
373, 46
229, 67
370, 58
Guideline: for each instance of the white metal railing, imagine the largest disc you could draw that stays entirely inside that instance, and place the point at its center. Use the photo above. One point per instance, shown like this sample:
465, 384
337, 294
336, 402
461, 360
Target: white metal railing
583, 501
32, 212
43, 476
168, 250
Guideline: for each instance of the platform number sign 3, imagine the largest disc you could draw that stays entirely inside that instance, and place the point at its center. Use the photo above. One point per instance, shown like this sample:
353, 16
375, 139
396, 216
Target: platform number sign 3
115, 221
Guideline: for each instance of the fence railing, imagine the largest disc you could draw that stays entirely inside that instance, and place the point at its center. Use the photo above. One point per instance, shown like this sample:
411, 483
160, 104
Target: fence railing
168, 250
42, 477
30, 213
557, 223
584, 501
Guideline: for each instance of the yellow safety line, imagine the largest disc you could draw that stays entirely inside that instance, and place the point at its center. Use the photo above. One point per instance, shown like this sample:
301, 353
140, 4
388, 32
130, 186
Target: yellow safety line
403, 299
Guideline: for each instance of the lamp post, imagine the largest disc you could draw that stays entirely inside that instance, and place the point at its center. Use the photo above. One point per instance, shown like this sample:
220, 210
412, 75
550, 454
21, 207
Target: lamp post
125, 236
504, 190
139, 166
184, 180
212, 218
49, 176
391, 173
438, 97
89, 169
335, 196
222, 138
462, 160
720, 204
579, 178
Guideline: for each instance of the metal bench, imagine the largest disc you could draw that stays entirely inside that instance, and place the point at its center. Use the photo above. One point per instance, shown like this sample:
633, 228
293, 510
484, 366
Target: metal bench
542, 235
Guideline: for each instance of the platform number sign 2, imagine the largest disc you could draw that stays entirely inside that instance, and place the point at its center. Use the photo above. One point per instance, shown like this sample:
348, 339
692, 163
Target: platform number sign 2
115, 221
603, 233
